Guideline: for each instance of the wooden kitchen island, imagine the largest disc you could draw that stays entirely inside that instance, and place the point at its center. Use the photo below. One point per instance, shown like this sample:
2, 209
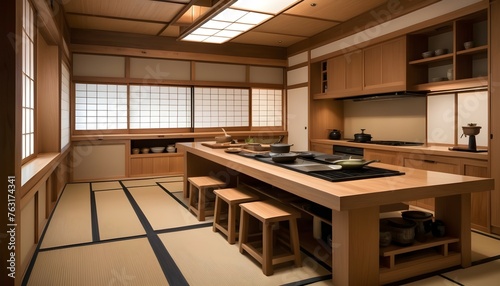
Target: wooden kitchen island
356, 255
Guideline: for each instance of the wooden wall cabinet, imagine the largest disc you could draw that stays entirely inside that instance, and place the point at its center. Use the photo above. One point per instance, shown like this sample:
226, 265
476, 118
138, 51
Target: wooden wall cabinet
377, 69
345, 74
385, 66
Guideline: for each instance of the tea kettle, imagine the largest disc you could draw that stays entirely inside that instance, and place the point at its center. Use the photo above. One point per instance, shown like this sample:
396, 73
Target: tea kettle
334, 134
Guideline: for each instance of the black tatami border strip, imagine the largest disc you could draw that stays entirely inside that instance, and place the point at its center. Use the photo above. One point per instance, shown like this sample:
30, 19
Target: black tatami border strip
170, 270
93, 216
93, 242
485, 234
309, 280
183, 228
451, 280
172, 195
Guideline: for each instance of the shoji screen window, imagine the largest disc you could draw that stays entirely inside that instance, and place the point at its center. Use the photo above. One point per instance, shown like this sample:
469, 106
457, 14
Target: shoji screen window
160, 107
221, 107
28, 81
100, 106
267, 107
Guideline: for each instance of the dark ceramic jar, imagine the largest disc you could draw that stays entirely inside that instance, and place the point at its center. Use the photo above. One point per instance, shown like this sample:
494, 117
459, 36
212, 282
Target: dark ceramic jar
335, 135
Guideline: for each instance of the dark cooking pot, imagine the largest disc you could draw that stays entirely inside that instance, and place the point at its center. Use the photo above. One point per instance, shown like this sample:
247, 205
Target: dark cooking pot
280, 148
284, 157
362, 137
335, 134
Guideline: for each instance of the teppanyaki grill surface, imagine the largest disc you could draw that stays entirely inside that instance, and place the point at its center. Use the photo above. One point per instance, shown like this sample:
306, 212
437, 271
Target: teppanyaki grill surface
366, 172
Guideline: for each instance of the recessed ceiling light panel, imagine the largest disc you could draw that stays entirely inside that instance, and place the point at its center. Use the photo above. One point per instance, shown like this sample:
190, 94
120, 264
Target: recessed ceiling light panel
264, 6
236, 19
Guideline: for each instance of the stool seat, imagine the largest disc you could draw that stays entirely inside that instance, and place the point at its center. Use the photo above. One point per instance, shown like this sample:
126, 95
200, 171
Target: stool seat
269, 213
198, 188
232, 197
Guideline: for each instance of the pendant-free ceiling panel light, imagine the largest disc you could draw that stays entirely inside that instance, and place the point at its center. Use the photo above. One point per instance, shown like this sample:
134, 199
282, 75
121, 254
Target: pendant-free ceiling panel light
234, 19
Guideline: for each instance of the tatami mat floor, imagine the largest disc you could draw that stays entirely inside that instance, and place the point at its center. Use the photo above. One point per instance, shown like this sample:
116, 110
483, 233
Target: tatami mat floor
139, 232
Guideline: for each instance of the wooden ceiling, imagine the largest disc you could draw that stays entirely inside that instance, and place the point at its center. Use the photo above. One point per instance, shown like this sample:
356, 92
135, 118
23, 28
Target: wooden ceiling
167, 18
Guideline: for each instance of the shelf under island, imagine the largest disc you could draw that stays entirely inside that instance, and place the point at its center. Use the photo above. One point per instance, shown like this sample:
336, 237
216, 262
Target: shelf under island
356, 205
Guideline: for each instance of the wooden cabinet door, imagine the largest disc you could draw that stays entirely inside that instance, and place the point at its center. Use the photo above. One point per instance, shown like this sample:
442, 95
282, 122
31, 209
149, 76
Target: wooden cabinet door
385, 66
323, 148
480, 201
345, 75
387, 157
157, 165
141, 166
431, 163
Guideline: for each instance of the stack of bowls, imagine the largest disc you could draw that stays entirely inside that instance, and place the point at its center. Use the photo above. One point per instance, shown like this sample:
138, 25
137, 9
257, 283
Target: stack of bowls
423, 221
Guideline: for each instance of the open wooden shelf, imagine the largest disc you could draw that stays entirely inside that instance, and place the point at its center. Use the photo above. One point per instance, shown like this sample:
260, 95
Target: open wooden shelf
152, 155
433, 59
475, 50
418, 258
453, 84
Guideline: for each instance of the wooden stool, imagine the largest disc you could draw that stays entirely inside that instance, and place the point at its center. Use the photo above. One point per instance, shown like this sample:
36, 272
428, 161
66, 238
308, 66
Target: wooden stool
269, 213
198, 187
232, 197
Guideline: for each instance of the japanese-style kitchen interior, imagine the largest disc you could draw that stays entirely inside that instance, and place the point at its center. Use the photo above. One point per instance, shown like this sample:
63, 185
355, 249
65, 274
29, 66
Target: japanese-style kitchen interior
246, 142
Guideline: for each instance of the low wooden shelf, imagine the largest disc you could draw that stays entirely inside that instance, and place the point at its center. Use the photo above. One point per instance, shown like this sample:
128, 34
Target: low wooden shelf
418, 258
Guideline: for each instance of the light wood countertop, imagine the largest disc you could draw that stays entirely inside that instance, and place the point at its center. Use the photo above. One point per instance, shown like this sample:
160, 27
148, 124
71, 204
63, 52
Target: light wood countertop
424, 149
414, 184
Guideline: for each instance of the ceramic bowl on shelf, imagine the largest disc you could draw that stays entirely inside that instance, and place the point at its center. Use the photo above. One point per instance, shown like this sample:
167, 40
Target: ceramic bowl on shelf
145, 150
171, 149
428, 54
468, 45
440, 52
157, 149
136, 150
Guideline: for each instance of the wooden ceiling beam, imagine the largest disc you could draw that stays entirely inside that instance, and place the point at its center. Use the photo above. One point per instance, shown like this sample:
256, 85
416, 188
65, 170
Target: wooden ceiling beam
145, 42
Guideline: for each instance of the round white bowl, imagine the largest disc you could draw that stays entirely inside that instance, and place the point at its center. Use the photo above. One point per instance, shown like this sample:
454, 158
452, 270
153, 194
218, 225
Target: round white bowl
157, 149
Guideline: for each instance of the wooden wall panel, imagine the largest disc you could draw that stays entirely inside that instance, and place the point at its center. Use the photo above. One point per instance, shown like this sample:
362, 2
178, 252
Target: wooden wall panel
99, 66
48, 99
95, 162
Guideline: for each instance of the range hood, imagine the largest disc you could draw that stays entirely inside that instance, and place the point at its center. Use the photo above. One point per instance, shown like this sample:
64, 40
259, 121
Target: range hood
390, 95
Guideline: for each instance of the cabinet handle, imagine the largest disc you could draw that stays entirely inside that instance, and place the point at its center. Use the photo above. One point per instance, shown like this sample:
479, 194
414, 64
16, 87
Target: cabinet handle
430, 161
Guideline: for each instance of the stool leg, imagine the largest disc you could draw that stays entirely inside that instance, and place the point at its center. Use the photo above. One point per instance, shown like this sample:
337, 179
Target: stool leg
243, 233
217, 213
191, 196
186, 189
201, 204
294, 241
231, 224
267, 249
